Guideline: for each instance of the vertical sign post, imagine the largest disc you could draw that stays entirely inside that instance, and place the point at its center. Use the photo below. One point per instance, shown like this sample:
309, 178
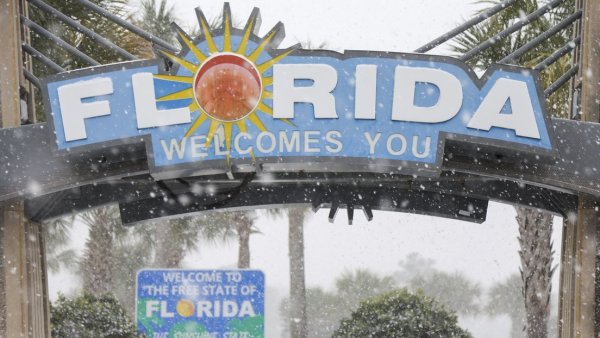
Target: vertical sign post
200, 303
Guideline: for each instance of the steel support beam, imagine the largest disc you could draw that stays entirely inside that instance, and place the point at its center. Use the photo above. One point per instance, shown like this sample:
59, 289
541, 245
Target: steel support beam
586, 323
590, 67
579, 248
578, 265
10, 71
11, 321
25, 291
23, 283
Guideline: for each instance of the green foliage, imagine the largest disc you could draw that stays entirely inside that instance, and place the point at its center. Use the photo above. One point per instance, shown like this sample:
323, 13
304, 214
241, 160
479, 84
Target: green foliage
496, 24
354, 287
323, 312
157, 20
130, 256
400, 314
506, 298
414, 265
507, 18
88, 316
173, 239
57, 235
326, 309
454, 290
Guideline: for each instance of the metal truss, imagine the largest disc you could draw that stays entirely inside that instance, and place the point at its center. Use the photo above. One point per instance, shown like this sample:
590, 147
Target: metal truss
513, 58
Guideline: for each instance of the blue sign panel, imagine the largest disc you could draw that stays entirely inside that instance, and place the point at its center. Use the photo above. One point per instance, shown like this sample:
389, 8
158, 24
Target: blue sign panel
232, 98
200, 303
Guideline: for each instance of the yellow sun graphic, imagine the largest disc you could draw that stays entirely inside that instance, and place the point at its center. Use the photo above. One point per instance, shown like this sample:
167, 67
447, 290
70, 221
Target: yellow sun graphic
227, 87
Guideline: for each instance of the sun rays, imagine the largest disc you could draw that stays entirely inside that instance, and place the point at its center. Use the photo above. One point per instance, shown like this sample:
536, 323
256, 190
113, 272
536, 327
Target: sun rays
229, 112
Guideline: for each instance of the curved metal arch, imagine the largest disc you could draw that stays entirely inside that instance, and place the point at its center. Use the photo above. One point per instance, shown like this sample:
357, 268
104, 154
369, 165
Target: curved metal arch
111, 167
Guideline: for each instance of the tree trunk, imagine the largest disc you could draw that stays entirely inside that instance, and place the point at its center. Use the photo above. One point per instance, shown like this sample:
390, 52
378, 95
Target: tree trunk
535, 231
2, 277
244, 228
97, 267
298, 324
169, 250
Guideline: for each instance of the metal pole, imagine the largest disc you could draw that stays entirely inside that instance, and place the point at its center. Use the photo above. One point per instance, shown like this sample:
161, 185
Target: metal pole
579, 253
514, 56
508, 31
10, 71
95, 36
460, 29
43, 58
587, 324
62, 43
561, 81
23, 288
564, 50
103, 12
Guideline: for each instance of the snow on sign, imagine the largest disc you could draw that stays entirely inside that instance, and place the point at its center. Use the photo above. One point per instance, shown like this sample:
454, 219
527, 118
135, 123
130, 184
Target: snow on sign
200, 303
231, 98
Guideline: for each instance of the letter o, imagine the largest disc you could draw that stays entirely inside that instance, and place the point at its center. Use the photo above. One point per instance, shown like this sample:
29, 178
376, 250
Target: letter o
259, 144
402, 148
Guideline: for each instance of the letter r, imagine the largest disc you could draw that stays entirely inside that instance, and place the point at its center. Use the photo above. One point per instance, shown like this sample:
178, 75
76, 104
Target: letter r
286, 93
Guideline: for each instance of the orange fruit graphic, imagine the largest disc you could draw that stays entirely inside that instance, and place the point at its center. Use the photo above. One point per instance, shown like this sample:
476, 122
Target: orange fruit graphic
185, 307
227, 87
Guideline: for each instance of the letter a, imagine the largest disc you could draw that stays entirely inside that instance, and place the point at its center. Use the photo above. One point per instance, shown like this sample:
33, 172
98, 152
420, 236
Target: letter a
522, 118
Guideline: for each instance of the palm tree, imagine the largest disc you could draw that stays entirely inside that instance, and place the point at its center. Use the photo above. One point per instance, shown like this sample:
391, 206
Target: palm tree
296, 219
131, 253
157, 20
535, 227
98, 260
154, 20
296, 307
57, 235
173, 239
243, 223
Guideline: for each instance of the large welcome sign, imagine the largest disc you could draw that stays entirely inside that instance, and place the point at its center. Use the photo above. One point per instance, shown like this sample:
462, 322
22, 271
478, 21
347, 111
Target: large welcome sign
232, 98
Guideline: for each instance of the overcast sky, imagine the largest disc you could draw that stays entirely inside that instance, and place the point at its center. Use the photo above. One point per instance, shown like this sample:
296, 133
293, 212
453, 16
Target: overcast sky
485, 252
384, 25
